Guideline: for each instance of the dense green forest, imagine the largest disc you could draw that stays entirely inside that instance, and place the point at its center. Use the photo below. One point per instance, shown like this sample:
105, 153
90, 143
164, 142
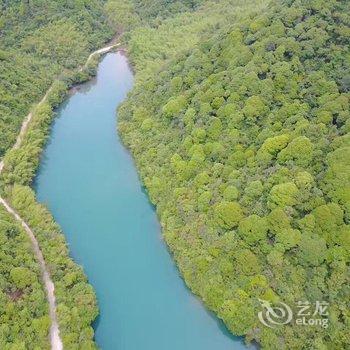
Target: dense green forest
239, 126
76, 301
41, 45
40, 41
242, 141
24, 316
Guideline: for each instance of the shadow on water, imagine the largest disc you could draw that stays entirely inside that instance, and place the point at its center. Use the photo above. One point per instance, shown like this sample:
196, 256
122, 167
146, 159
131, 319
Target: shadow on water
96, 322
83, 88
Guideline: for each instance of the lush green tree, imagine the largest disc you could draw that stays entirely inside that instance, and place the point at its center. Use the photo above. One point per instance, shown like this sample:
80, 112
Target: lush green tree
239, 313
284, 194
22, 277
228, 214
47, 39
121, 15
253, 229
299, 150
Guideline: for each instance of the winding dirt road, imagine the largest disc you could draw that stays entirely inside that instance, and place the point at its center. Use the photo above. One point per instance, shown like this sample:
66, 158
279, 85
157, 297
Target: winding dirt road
55, 339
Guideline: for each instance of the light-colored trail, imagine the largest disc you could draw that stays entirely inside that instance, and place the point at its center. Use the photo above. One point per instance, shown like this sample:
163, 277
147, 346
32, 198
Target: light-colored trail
55, 339
101, 51
29, 117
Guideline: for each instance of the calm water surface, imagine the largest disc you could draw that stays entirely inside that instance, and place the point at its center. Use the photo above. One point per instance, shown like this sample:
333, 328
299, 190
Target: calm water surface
89, 182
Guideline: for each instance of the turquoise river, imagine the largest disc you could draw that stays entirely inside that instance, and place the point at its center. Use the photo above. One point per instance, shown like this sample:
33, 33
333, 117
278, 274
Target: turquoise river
89, 182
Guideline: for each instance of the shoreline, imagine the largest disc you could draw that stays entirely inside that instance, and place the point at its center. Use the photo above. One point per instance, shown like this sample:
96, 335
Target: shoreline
56, 342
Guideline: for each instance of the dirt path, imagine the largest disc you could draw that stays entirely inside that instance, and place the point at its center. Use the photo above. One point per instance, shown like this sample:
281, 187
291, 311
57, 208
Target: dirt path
101, 51
55, 339
29, 117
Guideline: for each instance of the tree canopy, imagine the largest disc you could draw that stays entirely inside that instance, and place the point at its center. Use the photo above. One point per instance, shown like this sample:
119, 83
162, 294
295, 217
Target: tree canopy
239, 126
243, 145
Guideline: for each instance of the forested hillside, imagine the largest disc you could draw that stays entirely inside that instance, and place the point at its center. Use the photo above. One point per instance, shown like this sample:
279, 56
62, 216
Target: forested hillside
239, 126
24, 316
39, 40
42, 42
243, 144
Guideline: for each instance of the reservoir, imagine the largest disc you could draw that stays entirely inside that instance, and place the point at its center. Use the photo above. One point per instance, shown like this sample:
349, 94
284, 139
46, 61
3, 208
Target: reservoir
90, 184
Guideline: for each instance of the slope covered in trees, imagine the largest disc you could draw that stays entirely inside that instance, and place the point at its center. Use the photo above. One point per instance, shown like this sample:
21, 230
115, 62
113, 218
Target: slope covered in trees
243, 145
75, 298
38, 41
239, 124
24, 320
151, 46
41, 41
128, 14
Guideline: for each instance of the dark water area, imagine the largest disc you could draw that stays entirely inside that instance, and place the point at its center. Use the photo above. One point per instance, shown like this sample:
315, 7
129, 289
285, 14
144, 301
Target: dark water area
89, 182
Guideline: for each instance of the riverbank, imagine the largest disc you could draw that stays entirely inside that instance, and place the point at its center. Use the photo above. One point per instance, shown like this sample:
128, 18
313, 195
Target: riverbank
93, 190
14, 186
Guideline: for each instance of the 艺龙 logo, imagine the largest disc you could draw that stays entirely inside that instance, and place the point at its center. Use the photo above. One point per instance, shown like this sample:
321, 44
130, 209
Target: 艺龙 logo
271, 316
281, 314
